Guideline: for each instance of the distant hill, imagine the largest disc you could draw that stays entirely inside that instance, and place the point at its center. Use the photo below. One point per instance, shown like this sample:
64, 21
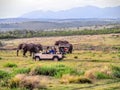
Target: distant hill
80, 12
51, 24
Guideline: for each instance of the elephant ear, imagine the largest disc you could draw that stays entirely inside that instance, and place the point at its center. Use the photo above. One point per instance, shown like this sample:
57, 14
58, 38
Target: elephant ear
40, 47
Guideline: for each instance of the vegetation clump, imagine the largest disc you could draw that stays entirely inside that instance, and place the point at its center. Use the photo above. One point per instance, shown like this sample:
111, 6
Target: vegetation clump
99, 73
10, 65
21, 71
74, 79
4, 74
116, 71
56, 71
25, 81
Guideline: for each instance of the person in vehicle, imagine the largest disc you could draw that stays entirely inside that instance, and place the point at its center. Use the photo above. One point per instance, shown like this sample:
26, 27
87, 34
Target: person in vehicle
61, 50
52, 51
47, 50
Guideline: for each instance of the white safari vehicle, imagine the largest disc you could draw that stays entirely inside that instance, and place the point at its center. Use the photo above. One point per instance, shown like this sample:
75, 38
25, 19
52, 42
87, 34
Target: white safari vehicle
43, 56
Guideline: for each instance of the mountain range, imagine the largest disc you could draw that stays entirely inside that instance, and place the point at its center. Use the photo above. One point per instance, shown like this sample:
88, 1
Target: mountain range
79, 12
54, 24
72, 18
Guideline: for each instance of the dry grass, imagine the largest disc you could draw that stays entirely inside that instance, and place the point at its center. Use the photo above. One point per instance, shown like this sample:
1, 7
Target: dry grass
66, 79
92, 72
29, 82
94, 40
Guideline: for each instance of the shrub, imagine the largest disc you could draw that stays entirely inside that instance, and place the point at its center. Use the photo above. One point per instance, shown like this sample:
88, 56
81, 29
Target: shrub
56, 71
43, 71
0, 58
116, 71
62, 69
74, 79
101, 75
4, 74
10, 65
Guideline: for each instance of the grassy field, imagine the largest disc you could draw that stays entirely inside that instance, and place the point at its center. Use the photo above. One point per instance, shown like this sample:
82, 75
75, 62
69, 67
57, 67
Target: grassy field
99, 67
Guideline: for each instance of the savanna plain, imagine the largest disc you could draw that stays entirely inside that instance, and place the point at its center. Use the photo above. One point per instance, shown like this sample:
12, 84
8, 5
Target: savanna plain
93, 65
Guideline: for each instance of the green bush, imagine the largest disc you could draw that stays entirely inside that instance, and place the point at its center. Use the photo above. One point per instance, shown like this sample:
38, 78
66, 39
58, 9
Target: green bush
56, 71
10, 65
116, 71
4, 74
62, 69
0, 58
50, 71
100, 75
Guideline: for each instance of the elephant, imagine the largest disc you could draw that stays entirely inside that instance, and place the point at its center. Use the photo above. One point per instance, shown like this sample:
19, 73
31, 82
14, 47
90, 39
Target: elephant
32, 48
61, 42
63, 45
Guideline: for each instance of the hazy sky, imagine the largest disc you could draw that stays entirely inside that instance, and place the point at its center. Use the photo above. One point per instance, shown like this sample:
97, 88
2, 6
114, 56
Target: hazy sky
15, 8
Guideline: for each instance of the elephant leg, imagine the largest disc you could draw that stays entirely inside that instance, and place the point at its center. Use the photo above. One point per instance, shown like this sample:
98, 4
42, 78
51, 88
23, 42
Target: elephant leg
30, 53
24, 53
70, 51
17, 51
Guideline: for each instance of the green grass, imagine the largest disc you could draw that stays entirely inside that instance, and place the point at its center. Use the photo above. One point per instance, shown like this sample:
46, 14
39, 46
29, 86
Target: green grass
116, 71
56, 71
4, 74
11, 65
86, 61
21, 71
100, 75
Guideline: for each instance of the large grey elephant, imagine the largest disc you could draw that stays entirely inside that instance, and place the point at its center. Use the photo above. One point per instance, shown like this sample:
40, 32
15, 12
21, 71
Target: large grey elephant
32, 48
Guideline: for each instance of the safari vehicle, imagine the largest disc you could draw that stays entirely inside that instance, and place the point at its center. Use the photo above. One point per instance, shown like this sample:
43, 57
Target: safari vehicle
44, 56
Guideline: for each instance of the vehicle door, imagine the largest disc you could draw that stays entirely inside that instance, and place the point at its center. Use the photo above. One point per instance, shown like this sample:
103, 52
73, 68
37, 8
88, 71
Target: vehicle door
47, 56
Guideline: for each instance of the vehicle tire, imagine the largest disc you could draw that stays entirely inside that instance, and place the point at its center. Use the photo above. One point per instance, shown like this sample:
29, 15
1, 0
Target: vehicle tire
37, 58
56, 59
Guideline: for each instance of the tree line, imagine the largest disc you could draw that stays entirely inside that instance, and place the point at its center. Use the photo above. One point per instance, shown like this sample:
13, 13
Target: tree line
30, 33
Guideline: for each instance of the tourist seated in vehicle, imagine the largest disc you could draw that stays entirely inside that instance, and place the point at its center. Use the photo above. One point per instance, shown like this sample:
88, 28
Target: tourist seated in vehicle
61, 50
52, 51
47, 50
